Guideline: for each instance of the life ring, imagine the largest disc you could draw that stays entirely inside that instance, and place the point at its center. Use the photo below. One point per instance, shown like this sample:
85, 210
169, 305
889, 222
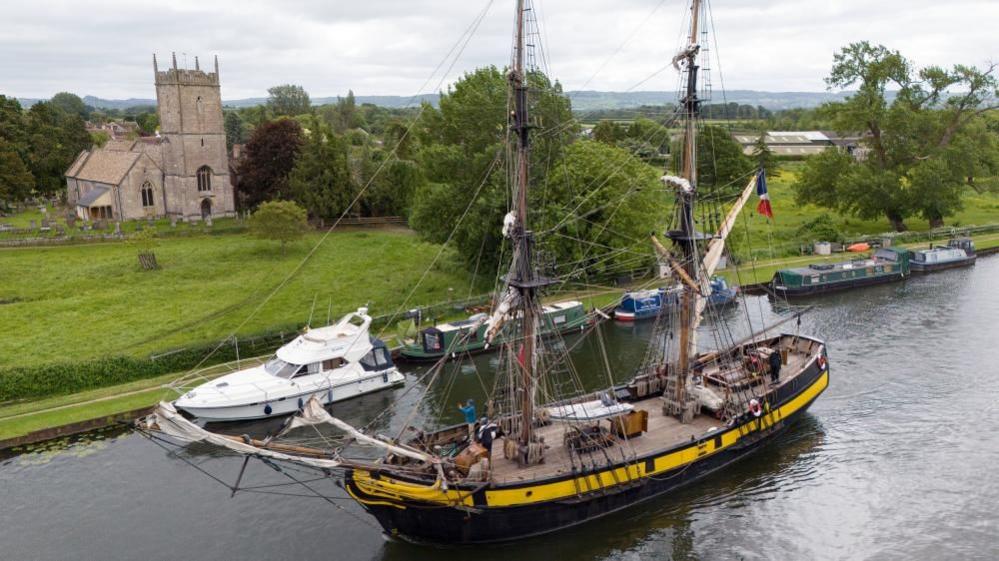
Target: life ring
755, 408
822, 362
267, 409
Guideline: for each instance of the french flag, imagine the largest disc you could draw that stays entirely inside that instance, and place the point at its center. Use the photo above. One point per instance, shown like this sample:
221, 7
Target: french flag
764, 207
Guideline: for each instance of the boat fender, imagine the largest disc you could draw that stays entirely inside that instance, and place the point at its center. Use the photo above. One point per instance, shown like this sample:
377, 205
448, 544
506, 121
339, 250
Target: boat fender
822, 362
755, 408
301, 404
329, 395
267, 409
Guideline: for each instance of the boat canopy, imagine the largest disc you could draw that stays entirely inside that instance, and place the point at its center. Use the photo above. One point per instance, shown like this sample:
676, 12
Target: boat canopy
347, 339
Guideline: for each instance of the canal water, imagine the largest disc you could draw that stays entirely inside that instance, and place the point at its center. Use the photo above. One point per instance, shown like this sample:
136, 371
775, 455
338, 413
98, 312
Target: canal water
897, 460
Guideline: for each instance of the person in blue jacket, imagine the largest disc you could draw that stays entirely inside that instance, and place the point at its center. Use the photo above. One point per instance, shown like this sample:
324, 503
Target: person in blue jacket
468, 410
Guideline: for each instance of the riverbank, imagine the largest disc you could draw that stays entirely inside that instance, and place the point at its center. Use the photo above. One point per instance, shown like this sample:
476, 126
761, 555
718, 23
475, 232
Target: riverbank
38, 420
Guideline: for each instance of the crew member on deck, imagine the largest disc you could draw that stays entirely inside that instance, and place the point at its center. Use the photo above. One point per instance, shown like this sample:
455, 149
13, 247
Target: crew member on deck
468, 410
488, 432
775, 366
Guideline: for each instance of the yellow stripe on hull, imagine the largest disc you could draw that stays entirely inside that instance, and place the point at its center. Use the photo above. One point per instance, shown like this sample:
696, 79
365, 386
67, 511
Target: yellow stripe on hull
393, 490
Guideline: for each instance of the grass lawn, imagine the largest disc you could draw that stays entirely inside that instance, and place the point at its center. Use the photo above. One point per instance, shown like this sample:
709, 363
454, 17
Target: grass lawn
77, 302
782, 234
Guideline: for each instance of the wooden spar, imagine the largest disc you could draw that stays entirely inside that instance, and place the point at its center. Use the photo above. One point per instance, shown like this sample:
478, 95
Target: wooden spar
522, 268
687, 237
674, 266
713, 255
278, 447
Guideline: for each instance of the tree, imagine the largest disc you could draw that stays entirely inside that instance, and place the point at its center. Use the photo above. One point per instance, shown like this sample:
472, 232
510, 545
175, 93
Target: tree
288, 100
233, 125
608, 132
721, 162
764, 156
16, 181
54, 139
615, 200
269, 158
282, 221
71, 104
320, 180
462, 146
920, 143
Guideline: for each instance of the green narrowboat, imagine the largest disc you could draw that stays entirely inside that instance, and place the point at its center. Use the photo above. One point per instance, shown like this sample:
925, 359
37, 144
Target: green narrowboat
468, 335
885, 265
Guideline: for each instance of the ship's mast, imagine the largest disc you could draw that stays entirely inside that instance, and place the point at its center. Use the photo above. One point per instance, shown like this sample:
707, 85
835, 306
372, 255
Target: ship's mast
686, 236
522, 275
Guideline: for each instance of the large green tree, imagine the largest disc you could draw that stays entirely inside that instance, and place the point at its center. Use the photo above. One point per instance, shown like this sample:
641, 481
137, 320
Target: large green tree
71, 104
268, 160
288, 100
922, 147
321, 180
54, 139
16, 181
462, 155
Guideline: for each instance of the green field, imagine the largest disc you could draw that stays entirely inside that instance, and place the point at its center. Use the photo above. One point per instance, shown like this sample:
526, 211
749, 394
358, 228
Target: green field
781, 237
78, 302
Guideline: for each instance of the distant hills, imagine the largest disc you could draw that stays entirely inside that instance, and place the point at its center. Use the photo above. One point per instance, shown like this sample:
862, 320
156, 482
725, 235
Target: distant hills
581, 100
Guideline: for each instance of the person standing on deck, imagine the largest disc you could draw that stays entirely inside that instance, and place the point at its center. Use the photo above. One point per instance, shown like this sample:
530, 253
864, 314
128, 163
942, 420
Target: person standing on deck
488, 432
468, 410
775, 366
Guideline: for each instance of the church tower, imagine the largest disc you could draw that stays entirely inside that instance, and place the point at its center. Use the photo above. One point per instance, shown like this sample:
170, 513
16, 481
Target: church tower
196, 180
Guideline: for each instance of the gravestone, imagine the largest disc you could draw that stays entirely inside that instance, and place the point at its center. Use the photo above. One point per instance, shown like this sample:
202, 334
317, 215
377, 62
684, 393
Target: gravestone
34, 225
173, 220
208, 221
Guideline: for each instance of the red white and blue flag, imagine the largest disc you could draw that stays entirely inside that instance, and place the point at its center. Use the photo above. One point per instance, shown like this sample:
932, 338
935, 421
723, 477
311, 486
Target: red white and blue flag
764, 207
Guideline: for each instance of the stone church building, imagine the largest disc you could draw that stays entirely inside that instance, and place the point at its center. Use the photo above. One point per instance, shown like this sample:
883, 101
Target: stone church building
182, 172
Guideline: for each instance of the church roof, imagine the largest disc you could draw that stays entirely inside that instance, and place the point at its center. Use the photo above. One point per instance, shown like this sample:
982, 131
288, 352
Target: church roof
119, 145
91, 196
74, 168
105, 166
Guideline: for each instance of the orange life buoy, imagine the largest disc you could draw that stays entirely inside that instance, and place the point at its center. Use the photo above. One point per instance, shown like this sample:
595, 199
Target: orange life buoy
755, 408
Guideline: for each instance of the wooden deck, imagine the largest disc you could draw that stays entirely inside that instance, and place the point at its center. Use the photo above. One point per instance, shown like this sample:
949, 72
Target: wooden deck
663, 432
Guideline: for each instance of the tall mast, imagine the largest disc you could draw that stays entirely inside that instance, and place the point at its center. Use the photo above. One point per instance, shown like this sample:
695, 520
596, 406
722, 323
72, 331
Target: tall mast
686, 236
522, 275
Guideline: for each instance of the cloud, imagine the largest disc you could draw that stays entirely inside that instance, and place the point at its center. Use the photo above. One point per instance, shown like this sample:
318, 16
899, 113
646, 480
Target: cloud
104, 47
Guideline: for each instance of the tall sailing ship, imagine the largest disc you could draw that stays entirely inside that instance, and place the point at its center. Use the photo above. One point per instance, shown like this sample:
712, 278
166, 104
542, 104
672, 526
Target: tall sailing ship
551, 455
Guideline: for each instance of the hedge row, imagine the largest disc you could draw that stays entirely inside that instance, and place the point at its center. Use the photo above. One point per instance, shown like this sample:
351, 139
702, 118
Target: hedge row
33, 382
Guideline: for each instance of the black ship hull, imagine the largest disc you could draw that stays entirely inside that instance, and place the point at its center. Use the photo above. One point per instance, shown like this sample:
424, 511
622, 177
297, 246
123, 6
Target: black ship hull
482, 523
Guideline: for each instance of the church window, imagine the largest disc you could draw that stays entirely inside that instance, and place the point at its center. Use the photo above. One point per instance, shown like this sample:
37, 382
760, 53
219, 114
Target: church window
204, 178
147, 194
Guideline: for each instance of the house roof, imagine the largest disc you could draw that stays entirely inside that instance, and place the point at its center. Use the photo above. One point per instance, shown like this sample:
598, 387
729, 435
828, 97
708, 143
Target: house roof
105, 166
91, 196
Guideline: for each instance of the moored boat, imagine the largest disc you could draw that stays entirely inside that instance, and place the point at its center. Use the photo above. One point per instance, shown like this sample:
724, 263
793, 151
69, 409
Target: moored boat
331, 363
885, 265
959, 252
647, 304
468, 336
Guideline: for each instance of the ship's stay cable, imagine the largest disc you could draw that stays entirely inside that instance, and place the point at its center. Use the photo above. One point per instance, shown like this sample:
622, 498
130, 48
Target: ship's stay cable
463, 42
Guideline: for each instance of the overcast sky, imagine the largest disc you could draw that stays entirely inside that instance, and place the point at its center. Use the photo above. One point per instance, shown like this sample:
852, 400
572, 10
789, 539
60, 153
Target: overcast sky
105, 47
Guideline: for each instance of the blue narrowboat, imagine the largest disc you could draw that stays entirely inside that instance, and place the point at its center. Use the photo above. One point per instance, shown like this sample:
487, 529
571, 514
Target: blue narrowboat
645, 304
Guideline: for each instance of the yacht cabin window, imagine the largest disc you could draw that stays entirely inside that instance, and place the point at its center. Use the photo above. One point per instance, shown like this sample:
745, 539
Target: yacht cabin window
333, 363
277, 367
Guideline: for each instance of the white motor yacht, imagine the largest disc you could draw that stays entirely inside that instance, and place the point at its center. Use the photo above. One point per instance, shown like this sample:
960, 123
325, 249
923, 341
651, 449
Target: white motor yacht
333, 363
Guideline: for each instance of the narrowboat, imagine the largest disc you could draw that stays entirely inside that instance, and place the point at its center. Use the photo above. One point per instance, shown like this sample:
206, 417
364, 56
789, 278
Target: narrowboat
885, 265
469, 335
646, 304
959, 252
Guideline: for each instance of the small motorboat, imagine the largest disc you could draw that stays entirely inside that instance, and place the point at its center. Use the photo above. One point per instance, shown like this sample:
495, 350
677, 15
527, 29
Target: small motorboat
332, 363
645, 304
